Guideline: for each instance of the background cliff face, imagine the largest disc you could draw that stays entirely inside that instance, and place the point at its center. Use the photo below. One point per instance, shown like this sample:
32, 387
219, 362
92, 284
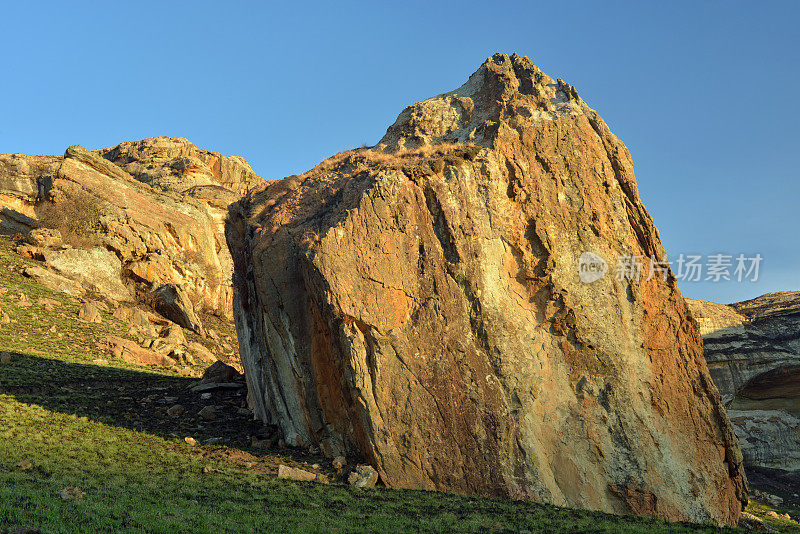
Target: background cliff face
419, 305
154, 213
753, 353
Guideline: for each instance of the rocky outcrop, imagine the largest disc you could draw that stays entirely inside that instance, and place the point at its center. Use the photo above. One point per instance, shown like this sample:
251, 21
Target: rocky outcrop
768, 438
128, 351
96, 269
156, 217
753, 354
54, 281
172, 303
175, 164
746, 339
418, 304
22, 181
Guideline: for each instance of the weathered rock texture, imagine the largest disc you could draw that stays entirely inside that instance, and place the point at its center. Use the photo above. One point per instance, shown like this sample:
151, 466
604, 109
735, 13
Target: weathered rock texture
753, 353
23, 179
163, 203
175, 164
419, 305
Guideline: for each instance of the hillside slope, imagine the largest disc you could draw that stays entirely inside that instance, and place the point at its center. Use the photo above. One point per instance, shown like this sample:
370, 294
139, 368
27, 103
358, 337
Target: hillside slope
87, 444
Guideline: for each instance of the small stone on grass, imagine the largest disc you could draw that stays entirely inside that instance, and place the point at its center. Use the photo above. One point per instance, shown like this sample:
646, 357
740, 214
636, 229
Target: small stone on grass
24, 465
71, 493
293, 473
363, 477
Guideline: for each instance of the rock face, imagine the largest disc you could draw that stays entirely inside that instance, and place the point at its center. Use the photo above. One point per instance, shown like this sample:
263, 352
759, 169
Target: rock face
96, 269
175, 164
160, 203
747, 339
753, 354
419, 305
22, 180
768, 438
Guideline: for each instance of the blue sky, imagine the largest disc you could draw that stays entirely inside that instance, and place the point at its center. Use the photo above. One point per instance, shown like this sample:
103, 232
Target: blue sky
705, 97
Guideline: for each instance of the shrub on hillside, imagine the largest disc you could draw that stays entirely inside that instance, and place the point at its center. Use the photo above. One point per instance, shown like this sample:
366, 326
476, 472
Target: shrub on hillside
77, 217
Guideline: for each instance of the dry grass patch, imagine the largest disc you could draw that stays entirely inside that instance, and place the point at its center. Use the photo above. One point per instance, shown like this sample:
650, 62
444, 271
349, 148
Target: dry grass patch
76, 216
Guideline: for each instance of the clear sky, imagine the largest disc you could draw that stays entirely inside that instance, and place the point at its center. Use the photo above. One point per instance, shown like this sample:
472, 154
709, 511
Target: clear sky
704, 94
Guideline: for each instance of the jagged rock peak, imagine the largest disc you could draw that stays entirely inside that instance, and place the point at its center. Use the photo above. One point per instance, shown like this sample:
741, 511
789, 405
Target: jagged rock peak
506, 90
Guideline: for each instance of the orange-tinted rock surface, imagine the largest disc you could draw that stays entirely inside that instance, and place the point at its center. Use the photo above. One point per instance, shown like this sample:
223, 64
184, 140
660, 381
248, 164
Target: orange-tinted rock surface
419, 305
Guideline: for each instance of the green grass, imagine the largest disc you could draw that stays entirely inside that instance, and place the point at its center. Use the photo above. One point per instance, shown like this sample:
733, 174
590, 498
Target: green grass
104, 429
778, 524
137, 482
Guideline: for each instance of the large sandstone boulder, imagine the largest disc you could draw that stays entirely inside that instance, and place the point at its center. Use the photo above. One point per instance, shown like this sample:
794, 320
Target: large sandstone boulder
419, 305
753, 354
96, 269
159, 217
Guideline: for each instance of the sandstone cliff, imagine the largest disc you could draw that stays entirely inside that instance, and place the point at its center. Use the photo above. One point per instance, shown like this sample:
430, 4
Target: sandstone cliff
418, 304
753, 353
161, 204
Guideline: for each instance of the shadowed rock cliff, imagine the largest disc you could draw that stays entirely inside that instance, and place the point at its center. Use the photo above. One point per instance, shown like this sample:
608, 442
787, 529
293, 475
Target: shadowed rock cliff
418, 304
753, 353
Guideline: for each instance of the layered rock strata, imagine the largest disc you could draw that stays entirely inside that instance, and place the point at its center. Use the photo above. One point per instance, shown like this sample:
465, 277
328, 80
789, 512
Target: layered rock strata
753, 353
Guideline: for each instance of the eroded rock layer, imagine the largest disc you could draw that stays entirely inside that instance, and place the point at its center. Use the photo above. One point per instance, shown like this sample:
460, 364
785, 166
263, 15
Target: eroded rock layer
419, 304
753, 353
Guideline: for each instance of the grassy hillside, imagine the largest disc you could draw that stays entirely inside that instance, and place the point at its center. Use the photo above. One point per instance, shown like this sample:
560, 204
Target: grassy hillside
87, 445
